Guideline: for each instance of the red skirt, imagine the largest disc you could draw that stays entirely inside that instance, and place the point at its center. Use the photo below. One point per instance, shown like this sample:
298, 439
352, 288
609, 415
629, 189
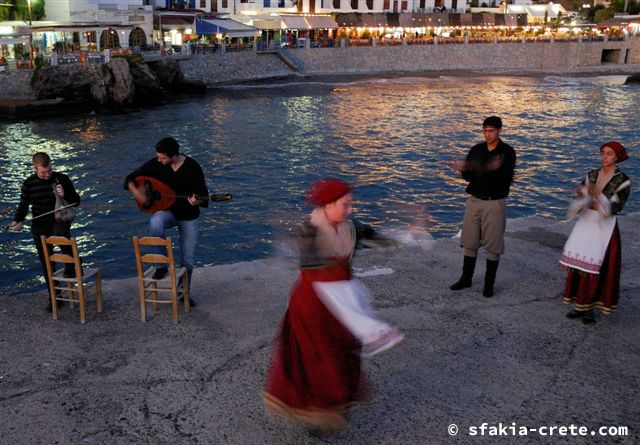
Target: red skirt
315, 372
597, 290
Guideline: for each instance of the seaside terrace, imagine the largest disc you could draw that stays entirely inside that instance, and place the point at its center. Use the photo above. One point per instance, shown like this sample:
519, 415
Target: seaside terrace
187, 34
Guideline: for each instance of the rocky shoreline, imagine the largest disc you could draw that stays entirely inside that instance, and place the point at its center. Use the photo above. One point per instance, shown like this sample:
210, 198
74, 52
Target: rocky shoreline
127, 83
124, 84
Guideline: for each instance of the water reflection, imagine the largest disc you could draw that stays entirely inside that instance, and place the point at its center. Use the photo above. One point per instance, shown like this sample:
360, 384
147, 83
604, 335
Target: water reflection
391, 137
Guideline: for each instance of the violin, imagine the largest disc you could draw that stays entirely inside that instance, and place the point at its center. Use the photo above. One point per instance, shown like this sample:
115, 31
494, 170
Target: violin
159, 196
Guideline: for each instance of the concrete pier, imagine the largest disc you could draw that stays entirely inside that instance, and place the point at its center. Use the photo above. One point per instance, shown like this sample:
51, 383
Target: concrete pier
467, 360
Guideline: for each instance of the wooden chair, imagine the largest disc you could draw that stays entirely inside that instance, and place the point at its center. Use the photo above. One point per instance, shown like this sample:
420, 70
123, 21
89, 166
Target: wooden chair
176, 283
74, 287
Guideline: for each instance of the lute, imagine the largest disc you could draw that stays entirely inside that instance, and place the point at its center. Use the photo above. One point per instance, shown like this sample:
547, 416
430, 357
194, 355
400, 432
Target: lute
159, 196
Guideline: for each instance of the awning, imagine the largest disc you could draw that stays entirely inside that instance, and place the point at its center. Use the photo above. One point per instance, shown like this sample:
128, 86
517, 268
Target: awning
348, 20
321, 22
14, 40
369, 21
477, 19
440, 19
488, 18
455, 20
510, 20
173, 21
294, 22
384, 20
267, 24
466, 19
226, 27
416, 20
406, 20
390, 19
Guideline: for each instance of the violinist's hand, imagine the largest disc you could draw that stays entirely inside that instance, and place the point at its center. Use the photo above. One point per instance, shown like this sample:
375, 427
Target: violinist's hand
16, 225
60, 190
193, 200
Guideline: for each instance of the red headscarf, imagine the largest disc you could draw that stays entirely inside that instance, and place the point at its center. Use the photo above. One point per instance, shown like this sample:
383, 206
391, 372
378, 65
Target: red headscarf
621, 153
327, 191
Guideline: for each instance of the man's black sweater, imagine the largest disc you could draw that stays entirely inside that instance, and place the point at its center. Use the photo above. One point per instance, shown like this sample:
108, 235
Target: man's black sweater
484, 182
186, 181
38, 193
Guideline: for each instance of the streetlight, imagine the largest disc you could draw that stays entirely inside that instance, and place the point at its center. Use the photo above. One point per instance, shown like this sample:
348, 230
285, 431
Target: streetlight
29, 5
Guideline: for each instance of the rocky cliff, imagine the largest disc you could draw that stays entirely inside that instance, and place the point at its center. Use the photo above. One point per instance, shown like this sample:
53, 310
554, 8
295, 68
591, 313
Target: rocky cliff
122, 84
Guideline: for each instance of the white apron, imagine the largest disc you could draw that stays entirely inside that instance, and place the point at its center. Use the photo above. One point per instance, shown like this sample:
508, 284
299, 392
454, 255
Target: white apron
588, 241
349, 302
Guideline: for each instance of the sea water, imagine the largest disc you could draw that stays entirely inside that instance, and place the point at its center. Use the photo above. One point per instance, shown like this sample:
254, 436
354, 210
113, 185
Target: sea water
391, 138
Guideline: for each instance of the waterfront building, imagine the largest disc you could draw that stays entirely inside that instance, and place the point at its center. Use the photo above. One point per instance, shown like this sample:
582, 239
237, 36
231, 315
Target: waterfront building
294, 22
536, 14
95, 25
229, 7
262, 7
15, 43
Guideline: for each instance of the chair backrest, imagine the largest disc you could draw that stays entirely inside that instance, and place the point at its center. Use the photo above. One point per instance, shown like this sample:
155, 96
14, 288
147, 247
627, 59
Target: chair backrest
48, 243
155, 258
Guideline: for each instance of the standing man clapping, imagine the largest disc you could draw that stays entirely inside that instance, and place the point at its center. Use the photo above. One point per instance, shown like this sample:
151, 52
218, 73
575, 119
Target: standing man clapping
489, 169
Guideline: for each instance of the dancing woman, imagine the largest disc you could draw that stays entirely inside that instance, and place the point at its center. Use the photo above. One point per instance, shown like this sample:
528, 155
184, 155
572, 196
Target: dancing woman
593, 250
315, 373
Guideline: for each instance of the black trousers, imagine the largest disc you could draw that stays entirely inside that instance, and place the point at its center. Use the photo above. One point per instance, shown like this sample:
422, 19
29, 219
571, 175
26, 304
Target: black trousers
56, 229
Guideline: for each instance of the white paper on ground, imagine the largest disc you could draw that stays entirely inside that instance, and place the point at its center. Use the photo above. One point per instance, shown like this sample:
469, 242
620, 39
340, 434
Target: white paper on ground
373, 272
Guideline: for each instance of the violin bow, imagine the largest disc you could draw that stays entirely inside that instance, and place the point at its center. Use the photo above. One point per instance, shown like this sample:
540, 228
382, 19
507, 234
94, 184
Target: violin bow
8, 226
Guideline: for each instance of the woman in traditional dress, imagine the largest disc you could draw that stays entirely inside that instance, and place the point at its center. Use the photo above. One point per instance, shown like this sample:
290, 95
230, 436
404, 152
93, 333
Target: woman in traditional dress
593, 250
315, 373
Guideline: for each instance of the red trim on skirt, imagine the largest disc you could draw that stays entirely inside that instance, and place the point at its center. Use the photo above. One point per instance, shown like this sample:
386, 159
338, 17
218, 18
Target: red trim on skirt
597, 290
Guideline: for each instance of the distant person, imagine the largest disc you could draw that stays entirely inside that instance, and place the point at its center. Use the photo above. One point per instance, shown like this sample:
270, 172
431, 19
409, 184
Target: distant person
315, 374
593, 250
489, 169
185, 177
38, 192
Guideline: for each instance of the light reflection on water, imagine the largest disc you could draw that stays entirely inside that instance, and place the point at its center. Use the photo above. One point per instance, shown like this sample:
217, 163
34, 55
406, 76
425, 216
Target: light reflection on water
390, 137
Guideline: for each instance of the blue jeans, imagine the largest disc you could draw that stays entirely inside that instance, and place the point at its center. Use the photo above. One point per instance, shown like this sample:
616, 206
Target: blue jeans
188, 230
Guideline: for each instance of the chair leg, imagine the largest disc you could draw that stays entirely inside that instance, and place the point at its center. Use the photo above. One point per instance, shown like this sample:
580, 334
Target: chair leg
98, 292
154, 303
185, 292
70, 295
54, 304
81, 300
143, 303
174, 302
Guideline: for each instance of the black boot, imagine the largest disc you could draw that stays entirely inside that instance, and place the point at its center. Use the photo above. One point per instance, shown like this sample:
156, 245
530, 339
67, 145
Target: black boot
575, 314
588, 317
160, 273
490, 278
70, 270
468, 267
